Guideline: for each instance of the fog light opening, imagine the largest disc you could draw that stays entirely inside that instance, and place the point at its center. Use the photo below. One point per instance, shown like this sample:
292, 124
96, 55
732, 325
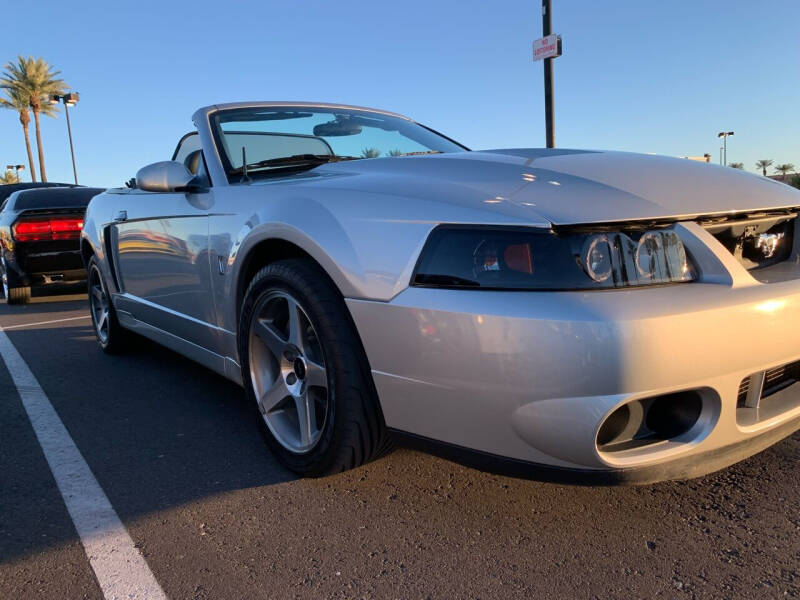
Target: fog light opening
674, 414
614, 426
649, 420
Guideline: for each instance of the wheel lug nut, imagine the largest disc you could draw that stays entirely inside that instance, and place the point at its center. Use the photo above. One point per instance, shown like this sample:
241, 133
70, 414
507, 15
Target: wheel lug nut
291, 378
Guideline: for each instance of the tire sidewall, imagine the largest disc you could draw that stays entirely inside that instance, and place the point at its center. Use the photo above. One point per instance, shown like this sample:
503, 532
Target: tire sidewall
110, 344
13, 292
271, 278
4, 287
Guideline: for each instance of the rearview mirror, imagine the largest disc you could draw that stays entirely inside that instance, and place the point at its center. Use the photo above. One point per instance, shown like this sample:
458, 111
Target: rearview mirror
337, 128
164, 176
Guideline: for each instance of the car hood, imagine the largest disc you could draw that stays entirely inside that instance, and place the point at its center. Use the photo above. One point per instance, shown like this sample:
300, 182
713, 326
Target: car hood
563, 187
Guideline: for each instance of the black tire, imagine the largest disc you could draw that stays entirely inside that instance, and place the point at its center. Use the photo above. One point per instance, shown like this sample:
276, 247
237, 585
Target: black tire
18, 295
13, 292
354, 431
112, 338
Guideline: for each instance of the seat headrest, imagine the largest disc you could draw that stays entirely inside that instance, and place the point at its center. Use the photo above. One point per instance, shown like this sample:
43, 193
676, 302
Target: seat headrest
192, 161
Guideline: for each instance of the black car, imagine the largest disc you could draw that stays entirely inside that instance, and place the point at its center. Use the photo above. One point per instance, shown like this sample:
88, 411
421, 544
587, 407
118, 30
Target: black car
9, 188
40, 232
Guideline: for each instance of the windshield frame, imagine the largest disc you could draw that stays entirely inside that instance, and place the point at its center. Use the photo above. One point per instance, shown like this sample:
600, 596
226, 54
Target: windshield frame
234, 175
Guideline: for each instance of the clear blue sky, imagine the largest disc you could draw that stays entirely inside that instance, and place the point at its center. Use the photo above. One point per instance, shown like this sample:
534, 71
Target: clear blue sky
640, 75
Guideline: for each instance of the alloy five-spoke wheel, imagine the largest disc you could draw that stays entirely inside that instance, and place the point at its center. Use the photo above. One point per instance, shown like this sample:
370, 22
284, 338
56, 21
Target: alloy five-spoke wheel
99, 304
287, 371
111, 337
305, 372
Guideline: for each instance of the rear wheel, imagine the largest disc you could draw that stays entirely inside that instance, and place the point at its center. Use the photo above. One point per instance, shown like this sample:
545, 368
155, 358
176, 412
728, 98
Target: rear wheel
304, 370
111, 336
12, 293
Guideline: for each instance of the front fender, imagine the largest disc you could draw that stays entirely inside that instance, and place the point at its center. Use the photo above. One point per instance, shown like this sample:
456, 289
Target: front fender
95, 225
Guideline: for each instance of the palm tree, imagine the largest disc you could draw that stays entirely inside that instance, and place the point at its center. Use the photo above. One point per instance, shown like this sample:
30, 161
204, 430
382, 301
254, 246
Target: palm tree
370, 153
763, 164
34, 79
784, 169
9, 177
736, 165
19, 103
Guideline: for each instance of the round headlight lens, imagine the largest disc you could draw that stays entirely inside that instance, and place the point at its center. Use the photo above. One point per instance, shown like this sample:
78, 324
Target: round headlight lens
597, 258
648, 253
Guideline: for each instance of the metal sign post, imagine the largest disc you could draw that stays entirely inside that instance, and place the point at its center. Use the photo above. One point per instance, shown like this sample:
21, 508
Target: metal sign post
548, 47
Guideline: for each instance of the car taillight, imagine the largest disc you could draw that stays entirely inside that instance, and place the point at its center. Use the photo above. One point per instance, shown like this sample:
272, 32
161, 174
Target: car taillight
50, 228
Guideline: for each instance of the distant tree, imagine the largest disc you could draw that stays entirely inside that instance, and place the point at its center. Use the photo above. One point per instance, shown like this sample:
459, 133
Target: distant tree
19, 102
736, 165
794, 181
784, 170
395, 152
370, 153
764, 164
9, 177
34, 79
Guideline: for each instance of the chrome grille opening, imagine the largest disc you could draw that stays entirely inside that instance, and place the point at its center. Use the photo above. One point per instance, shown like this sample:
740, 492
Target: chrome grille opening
780, 377
744, 388
756, 240
761, 386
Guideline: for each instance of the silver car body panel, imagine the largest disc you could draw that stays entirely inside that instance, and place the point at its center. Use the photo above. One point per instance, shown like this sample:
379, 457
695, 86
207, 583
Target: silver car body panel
526, 375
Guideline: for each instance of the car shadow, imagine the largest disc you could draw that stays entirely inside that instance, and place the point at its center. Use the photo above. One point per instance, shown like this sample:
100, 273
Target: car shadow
156, 430
48, 305
159, 433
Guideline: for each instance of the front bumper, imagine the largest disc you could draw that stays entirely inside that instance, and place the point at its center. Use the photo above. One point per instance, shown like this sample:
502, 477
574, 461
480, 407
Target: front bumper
531, 376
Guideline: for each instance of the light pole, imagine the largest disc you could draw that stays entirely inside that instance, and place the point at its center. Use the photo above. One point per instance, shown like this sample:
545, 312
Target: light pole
17, 169
69, 99
724, 135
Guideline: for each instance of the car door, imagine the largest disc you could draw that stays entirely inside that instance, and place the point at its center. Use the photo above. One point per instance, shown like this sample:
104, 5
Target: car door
162, 263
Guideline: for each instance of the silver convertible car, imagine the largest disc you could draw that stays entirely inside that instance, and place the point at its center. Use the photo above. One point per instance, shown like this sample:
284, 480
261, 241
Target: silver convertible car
604, 316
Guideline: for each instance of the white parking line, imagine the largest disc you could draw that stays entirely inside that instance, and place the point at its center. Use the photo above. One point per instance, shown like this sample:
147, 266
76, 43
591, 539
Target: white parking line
46, 322
120, 568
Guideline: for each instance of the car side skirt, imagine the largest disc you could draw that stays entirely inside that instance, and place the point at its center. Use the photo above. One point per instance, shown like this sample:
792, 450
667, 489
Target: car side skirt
205, 357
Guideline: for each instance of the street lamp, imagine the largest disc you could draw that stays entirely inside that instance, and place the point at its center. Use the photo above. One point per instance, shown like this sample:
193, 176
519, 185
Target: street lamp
16, 168
724, 135
69, 99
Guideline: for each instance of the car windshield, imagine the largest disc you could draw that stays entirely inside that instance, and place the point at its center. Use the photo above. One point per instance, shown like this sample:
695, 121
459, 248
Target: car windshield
274, 140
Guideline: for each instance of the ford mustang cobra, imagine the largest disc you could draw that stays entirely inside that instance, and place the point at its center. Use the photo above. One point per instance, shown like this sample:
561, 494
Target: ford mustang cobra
608, 315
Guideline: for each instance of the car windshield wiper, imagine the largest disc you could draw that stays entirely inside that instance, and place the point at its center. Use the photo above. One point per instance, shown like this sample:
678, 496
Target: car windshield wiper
300, 160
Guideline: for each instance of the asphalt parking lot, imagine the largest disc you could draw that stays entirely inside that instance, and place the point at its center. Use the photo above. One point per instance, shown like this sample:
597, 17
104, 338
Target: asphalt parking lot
181, 460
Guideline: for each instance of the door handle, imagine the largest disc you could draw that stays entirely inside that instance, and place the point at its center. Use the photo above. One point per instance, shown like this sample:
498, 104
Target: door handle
121, 216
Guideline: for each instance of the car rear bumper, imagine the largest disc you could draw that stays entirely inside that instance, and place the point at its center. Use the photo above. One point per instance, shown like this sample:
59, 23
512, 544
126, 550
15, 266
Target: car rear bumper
46, 264
532, 376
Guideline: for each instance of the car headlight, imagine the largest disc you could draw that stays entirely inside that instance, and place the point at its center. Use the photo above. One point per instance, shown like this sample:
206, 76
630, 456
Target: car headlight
529, 259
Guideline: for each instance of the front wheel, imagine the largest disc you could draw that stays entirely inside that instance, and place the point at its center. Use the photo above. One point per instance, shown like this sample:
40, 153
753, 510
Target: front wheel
305, 371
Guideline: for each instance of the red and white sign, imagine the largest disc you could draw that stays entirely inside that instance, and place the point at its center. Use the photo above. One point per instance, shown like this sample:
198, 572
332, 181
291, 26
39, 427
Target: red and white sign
546, 47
